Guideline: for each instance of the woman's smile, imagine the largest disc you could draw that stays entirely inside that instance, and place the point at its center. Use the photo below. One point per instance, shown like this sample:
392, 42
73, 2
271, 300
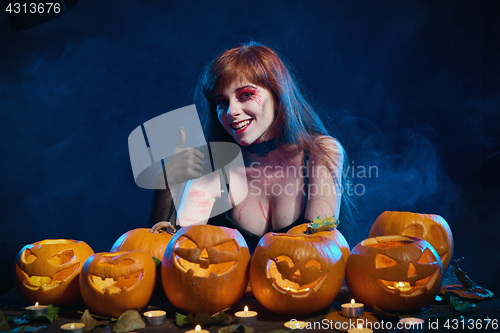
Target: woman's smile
246, 111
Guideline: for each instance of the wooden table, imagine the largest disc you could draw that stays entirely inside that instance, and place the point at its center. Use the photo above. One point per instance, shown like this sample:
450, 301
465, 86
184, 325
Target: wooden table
12, 304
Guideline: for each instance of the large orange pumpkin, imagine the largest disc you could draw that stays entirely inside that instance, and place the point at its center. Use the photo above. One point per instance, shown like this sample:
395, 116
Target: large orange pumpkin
333, 234
153, 243
47, 271
205, 268
395, 273
432, 228
296, 274
114, 282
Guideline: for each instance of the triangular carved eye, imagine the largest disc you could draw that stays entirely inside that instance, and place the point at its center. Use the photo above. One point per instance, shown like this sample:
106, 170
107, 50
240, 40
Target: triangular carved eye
28, 257
427, 257
382, 261
61, 258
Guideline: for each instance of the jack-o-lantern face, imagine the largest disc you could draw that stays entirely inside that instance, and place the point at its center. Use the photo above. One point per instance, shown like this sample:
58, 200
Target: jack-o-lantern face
432, 228
47, 271
296, 274
396, 273
205, 268
114, 282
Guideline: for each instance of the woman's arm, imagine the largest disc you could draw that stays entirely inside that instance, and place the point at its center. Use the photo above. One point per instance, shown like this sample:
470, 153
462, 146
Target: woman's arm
325, 180
198, 200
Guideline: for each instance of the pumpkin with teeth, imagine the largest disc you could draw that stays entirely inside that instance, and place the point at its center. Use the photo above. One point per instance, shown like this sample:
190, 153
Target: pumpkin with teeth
395, 273
205, 268
112, 283
47, 271
432, 228
296, 274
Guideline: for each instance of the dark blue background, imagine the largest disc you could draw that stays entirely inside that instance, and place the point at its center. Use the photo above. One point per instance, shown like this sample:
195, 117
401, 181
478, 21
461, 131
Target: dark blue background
412, 87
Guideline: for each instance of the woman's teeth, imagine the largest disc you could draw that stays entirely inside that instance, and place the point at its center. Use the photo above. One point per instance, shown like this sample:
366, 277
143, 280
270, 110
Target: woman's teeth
240, 125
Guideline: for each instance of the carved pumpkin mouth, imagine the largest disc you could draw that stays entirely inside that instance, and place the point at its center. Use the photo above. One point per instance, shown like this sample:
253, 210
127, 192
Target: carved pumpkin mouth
405, 288
40, 282
296, 284
116, 284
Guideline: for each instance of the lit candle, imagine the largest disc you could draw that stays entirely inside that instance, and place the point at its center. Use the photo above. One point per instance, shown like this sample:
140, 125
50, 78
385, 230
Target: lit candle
353, 309
246, 317
409, 323
197, 329
359, 329
73, 327
294, 324
36, 310
401, 286
156, 317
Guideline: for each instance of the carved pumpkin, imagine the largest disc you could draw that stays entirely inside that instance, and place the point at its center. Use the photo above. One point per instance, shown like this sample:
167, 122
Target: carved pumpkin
333, 234
296, 274
153, 243
47, 271
432, 228
114, 282
395, 273
205, 268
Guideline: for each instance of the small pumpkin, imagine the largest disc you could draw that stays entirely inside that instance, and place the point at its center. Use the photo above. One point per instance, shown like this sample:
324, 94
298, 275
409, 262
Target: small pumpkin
47, 271
112, 283
153, 242
395, 273
296, 274
329, 232
205, 268
433, 228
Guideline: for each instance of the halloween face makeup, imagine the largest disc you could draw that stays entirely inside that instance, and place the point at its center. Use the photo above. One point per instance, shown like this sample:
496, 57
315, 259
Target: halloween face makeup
247, 112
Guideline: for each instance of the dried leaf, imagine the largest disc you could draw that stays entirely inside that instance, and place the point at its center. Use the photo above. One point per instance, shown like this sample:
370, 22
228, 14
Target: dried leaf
4, 325
202, 319
237, 328
130, 320
463, 306
90, 322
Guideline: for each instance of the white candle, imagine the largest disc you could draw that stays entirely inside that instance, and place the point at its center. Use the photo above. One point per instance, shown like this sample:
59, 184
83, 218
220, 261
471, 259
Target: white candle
156, 317
353, 309
294, 324
36, 310
409, 323
246, 317
73, 328
359, 329
197, 329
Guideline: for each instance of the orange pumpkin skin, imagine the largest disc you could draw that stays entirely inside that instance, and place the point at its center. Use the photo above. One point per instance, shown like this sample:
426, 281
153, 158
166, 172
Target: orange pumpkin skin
333, 234
432, 228
205, 268
296, 274
395, 273
143, 239
112, 283
48, 271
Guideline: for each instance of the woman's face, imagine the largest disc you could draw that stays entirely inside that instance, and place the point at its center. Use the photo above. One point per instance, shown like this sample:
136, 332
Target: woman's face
246, 111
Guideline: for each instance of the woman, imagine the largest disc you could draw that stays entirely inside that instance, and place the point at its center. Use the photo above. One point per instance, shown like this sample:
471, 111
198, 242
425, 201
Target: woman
293, 169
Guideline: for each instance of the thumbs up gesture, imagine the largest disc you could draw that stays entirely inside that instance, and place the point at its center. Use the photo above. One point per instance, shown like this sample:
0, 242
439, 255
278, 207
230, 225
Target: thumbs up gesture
185, 163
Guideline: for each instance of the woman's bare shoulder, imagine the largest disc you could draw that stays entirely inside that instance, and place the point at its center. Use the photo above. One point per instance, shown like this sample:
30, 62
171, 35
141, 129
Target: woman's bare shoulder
329, 145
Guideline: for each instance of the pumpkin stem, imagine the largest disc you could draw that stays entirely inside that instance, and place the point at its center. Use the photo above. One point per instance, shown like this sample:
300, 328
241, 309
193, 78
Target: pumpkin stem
317, 225
163, 225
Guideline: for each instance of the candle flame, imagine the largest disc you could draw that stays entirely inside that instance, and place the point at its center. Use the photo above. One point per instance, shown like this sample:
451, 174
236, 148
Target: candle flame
150, 314
246, 308
360, 326
352, 301
72, 326
197, 328
36, 304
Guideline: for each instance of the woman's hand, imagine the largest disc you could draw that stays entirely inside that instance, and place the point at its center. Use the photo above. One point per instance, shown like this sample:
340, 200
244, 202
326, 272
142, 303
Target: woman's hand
185, 163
